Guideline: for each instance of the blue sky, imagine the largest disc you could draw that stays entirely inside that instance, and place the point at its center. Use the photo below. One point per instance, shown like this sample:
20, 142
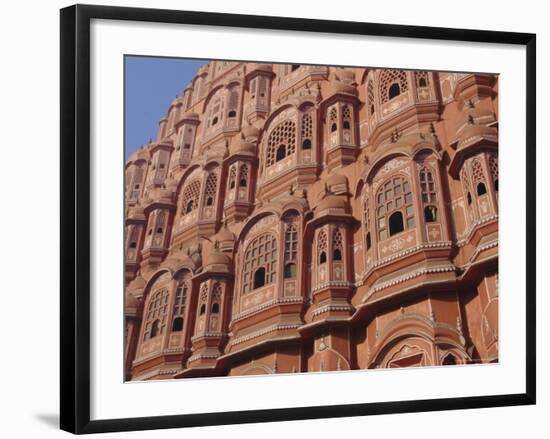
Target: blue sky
150, 85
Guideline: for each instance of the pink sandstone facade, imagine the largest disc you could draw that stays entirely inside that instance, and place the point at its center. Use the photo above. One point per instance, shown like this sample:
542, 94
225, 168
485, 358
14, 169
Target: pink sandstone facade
299, 218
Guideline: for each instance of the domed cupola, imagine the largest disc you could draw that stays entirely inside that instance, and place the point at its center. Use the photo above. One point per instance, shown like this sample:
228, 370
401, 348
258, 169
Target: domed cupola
341, 126
477, 131
242, 168
212, 315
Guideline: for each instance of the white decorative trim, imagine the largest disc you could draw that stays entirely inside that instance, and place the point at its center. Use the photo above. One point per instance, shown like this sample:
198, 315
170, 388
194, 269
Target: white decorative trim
328, 308
414, 274
268, 304
468, 233
261, 332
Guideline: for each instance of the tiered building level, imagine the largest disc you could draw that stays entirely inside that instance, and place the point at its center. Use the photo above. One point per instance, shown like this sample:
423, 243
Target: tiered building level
299, 218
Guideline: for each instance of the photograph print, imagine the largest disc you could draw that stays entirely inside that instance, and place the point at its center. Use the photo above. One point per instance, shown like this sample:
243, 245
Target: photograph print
287, 218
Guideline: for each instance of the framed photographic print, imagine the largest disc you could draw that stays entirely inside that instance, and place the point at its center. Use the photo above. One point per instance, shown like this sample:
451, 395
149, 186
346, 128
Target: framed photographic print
284, 218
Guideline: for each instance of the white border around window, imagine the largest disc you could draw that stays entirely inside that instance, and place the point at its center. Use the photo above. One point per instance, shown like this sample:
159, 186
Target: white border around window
111, 398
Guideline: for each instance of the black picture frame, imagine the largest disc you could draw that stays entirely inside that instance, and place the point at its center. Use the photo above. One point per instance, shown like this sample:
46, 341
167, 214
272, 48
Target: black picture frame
75, 217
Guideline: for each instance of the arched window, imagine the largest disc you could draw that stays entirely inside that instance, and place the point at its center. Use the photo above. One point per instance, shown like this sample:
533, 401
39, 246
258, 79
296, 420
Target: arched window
211, 188
394, 196
203, 309
367, 221
177, 324
370, 97
346, 117
155, 317
216, 109
493, 166
159, 223
430, 214
337, 245
421, 79
243, 176
322, 246
291, 251
180, 302
281, 142
427, 186
260, 262
396, 80
232, 177
216, 298
190, 196
466, 185
333, 119
307, 130
132, 245
394, 91
478, 176
232, 103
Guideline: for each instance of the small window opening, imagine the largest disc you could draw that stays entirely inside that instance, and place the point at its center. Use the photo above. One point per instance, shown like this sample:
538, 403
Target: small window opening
290, 271
306, 144
189, 207
259, 278
215, 308
203, 309
159, 230
186, 146
177, 324
155, 328
337, 255
430, 214
449, 360
394, 91
209, 201
295, 67
242, 183
281, 153
496, 185
132, 245
322, 258
422, 82
396, 223
333, 128
469, 197
481, 189
232, 113
368, 241
215, 121
346, 125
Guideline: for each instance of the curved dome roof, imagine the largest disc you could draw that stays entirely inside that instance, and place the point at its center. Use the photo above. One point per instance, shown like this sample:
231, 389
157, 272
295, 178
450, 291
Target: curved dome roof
137, 284
243, 146
226, 235
336, 179
130, 301
332, 202
217, 258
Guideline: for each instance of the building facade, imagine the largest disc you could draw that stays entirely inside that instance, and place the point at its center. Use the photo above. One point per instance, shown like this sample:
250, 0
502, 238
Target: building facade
300, 218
